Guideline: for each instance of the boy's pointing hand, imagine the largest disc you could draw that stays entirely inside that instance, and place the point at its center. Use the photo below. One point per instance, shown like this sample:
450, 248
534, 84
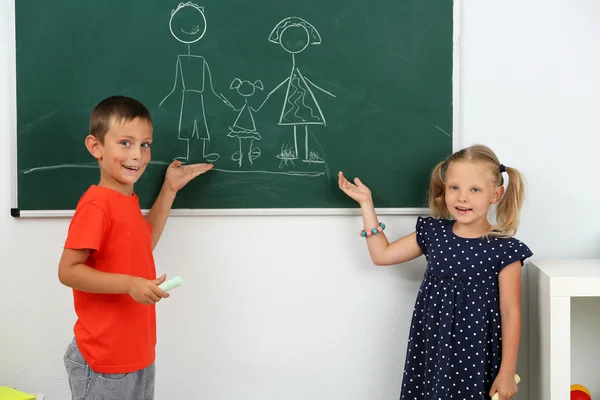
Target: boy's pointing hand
179, 175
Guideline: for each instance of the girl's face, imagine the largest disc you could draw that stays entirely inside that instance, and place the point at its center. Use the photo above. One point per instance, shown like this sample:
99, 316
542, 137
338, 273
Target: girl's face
188, 24
294, 39
470, 190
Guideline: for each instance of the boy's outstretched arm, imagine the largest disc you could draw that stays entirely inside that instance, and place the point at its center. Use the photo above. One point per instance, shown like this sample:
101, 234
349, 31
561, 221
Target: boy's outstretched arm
157, 216
177, 177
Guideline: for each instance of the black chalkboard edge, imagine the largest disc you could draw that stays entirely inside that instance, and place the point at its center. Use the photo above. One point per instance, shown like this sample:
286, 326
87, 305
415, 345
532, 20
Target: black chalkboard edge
12, 104
18, 213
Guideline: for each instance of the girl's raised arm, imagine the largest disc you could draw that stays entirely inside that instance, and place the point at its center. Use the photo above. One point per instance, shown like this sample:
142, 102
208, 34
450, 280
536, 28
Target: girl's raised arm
381, 251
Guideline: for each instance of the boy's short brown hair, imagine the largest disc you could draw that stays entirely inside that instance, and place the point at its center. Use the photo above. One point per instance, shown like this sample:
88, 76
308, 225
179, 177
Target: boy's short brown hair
115, 109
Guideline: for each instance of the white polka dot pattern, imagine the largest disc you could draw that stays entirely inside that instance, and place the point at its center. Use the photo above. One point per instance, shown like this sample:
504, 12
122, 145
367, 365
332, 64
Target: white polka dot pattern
454, 347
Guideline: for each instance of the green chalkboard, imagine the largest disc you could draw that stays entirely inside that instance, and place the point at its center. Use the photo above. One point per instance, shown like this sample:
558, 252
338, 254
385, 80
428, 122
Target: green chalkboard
303, 88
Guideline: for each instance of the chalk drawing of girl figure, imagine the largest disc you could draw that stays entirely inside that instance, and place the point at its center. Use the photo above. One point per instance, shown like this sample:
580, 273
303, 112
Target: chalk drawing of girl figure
300, 106
188, 25
244, 126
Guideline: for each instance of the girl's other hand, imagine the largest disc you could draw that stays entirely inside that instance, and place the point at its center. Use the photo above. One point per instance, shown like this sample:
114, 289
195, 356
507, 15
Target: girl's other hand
505, 385
356, 191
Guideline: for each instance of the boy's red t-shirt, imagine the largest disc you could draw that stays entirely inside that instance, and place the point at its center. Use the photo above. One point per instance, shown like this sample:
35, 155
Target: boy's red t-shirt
114, 333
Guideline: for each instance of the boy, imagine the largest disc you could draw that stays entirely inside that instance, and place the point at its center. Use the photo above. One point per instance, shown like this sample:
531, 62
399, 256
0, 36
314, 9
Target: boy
107, 258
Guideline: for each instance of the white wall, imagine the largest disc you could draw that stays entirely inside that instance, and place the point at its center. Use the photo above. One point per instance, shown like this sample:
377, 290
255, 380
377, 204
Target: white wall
305, 314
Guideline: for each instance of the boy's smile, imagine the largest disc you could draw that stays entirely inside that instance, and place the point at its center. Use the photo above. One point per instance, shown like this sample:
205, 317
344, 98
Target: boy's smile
124, 155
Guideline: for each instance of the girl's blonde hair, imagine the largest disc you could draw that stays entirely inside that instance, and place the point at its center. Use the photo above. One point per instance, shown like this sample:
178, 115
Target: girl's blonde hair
509, 206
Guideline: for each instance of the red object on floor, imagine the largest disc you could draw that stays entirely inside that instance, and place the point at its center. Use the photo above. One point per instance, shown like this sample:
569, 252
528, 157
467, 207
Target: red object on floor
579, 395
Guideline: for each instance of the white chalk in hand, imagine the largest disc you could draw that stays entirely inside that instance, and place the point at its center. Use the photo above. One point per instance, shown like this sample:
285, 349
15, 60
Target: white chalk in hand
171, 284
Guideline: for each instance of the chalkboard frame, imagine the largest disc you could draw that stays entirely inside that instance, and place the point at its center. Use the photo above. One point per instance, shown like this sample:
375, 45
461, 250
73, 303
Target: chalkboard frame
17, 213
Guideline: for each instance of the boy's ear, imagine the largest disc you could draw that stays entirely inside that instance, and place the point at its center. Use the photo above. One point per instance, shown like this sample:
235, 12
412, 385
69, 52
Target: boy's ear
93, 146
498, 194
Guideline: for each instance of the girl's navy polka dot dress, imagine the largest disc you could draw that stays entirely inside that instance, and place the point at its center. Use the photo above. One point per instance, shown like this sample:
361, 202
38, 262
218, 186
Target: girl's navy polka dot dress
454, 347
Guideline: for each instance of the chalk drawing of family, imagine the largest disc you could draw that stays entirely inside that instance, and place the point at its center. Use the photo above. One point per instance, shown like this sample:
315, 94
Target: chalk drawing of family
300, 106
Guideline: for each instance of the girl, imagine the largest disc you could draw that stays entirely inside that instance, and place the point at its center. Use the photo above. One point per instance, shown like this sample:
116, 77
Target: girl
466, 323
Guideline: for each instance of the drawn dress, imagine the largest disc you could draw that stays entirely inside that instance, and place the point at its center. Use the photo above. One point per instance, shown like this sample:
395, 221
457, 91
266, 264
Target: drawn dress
300, 106
244, 126
455, 340
192, 119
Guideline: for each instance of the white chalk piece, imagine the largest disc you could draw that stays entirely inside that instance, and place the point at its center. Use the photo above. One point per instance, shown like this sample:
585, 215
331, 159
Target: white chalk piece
171, 284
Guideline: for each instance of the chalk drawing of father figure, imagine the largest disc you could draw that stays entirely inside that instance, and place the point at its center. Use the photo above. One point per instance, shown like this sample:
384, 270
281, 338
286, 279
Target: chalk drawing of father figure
188, 25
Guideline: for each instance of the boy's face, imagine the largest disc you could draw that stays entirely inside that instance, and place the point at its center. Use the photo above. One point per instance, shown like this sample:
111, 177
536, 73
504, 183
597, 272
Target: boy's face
124, 155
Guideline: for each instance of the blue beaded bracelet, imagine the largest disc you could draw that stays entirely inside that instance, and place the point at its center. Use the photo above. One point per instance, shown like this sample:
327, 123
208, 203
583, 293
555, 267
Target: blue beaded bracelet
373, 231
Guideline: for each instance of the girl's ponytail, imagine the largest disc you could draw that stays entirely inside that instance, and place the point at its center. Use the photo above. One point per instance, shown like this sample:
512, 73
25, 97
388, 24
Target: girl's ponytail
437, 192
509, 207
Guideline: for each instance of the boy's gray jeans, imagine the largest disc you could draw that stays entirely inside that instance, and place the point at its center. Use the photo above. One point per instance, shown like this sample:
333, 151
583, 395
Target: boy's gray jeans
86, 384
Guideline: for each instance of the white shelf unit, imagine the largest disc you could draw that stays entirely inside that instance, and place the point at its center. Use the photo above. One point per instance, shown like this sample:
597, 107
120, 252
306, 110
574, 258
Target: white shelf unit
552, 285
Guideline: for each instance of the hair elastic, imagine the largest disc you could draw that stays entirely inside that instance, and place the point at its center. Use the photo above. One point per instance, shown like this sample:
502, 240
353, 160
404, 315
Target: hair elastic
373, 231
502, 168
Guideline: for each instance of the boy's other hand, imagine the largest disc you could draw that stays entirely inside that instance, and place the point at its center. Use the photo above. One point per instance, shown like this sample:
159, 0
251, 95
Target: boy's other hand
147, 291
179, 175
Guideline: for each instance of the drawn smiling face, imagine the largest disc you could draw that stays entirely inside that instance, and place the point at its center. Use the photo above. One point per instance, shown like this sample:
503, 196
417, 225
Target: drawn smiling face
188, 23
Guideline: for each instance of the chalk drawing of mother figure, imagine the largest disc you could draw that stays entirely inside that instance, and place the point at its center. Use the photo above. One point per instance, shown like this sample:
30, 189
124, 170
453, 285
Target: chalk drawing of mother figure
300, 106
